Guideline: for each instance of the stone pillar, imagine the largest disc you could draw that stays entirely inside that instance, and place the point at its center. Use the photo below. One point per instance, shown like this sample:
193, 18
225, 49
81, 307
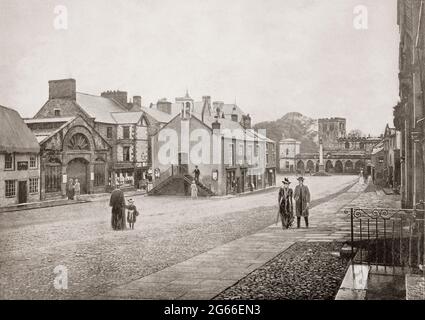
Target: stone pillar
321, 163
42, 179
90, 182
64, 181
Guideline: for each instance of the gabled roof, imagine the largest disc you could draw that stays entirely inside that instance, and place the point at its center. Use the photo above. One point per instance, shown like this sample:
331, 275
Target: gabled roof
99, 107
127, 117
43, 134
15, 136
158, 115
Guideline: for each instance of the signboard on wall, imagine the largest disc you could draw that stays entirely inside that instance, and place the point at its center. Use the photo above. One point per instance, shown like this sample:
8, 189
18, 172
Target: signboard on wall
22, 165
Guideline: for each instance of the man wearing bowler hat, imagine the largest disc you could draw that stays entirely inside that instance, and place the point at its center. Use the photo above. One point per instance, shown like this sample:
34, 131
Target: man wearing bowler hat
302, 201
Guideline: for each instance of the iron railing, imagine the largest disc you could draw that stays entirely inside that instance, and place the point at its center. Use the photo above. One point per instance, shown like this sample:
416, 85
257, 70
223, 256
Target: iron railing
387, 237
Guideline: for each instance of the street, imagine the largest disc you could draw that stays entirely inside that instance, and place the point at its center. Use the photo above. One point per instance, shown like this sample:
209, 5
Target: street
169, 230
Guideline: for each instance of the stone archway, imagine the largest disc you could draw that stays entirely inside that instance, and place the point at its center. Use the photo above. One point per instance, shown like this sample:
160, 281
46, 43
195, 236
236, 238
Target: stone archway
349, 166
359, 166
329, 166
310, 166
78, 168
339, 167
300, 166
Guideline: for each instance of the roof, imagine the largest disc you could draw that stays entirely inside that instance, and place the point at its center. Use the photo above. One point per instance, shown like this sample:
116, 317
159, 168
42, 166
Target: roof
15, 136
377, 150
45, 133
48, 120
127, 117
158, 115
99, 107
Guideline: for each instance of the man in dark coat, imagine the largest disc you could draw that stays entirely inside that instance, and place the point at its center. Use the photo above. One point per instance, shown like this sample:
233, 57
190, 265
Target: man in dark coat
117, 202
286, 205
302, 201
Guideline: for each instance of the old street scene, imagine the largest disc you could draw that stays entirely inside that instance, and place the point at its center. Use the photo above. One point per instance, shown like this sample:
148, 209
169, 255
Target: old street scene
194, 155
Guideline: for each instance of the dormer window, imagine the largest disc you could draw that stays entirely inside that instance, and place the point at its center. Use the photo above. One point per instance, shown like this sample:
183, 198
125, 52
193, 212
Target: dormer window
57, 112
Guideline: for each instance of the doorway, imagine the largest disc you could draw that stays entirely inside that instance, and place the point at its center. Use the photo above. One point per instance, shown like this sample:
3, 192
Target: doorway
78, 169
183, 163
23, 192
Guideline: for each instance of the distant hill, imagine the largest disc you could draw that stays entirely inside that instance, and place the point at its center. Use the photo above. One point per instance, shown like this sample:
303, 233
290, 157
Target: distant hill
296, 126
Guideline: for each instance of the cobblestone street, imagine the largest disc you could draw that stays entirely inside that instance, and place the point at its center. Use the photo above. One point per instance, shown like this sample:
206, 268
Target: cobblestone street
170, 230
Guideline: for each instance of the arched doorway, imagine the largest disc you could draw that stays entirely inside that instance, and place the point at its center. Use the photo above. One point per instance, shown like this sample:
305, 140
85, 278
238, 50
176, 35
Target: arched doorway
329, 166
310, 166
358, 166
338, 167
300, 166
348, 166
78, 169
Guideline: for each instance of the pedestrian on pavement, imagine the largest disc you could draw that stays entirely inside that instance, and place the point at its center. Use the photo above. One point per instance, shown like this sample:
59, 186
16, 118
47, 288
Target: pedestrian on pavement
77, 189
302, 202
117, 202
361, 179
286, 205
70, 189
132, 213
194, 190
197, 173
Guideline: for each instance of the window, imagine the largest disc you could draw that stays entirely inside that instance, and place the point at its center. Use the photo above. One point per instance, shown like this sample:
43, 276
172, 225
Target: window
22, 165
8, 161
53, 178
57, 112
126, 153
33, 161
109, 132
347, 145
10, 188
99, 174
287, 151
287, 164
241, 149
33, 185
126, 132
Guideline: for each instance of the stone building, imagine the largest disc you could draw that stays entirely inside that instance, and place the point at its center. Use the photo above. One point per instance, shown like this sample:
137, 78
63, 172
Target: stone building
391, 148
342, 153
100, 140
289, 149
409, 112
231, 157
19, 160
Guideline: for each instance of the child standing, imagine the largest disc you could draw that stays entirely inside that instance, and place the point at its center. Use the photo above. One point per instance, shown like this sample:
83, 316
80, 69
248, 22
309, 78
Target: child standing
194, 190
132, 213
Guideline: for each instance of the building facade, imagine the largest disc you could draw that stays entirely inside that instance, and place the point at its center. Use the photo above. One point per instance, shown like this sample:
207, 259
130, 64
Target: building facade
19, 161
99, 140
289, 149
409, 112
231, 157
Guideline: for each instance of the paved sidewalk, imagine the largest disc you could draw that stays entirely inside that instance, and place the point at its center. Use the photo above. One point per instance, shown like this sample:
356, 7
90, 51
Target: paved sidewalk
206, 275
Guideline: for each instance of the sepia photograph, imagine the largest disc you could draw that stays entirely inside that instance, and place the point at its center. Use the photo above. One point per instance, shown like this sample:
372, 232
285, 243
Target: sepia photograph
223, 153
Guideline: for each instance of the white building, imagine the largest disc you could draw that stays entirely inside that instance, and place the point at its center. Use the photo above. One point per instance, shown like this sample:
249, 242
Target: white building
288, 149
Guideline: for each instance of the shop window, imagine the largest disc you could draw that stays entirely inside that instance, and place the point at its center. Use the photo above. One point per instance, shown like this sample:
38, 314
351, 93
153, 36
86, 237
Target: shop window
10, 188
34, 185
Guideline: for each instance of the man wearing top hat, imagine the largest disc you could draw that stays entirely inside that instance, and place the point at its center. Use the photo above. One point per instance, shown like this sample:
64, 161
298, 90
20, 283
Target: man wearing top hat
302, 201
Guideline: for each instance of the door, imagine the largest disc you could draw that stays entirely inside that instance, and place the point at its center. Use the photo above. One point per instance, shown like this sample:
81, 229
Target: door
77, 169
23, 192
183, 163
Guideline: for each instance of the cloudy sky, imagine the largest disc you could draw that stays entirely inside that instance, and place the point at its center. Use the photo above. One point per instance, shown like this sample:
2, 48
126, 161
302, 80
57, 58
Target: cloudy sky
272, 56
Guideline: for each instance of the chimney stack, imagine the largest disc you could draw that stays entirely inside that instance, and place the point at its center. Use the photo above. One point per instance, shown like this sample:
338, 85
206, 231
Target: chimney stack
118, 96
164, 106
62, 89
137, 102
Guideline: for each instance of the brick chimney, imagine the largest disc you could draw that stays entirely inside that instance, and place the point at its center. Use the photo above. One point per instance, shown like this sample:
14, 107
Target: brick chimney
164, 106
118, 96
137, 102
62, 89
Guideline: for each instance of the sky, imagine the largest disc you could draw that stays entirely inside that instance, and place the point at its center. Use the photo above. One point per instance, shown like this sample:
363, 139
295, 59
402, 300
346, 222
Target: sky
270, 56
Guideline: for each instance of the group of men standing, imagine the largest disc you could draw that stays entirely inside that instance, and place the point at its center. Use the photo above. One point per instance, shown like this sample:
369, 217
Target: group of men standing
286, 207
73, 189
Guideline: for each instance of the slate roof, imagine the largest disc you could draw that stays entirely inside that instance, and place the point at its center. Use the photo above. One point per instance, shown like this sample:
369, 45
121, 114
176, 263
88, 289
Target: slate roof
44, 133
127, 117
15, 136
158, 115
99, 107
